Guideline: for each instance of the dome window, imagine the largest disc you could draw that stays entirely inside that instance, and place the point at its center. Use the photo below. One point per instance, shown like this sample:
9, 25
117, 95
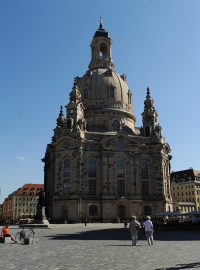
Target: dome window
112, 91
116, 125
129, 96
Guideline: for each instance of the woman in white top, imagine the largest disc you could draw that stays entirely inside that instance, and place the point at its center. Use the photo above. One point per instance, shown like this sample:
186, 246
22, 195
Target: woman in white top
148, 226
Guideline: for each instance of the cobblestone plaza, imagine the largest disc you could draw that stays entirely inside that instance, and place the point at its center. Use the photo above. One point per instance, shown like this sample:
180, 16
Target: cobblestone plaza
101, 246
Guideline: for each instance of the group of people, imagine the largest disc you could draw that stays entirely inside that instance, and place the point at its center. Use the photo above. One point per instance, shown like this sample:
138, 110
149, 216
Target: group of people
135, 227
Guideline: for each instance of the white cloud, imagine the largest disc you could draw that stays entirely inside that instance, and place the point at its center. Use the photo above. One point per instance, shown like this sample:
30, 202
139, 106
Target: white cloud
22, 159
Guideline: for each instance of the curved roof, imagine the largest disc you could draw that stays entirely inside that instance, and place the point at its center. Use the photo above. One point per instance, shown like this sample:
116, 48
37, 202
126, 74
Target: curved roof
106, 87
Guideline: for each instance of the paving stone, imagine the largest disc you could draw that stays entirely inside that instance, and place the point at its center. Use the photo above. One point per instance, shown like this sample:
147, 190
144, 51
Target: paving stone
101, 246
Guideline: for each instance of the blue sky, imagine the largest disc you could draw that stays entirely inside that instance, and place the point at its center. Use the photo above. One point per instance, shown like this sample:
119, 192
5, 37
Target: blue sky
45, 44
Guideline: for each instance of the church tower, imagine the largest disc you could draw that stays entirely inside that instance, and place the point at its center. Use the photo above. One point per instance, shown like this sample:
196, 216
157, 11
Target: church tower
101, 50
99, 165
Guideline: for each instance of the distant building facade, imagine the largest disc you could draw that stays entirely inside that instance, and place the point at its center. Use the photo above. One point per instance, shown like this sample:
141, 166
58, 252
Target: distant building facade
22, 203
1, 212
7, 208
99, 165
185, 187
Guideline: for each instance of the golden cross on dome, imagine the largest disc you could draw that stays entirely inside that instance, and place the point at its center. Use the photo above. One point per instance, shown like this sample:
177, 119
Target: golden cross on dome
101, 22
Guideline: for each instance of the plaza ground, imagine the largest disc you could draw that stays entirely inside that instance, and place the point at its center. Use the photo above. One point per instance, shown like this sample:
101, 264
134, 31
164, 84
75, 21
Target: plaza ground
99, 247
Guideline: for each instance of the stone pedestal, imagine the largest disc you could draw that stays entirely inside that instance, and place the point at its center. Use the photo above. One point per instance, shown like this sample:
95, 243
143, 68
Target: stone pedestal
44, 219
5, 240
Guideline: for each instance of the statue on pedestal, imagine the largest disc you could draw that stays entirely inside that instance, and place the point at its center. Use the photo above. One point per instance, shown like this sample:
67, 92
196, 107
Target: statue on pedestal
40, 214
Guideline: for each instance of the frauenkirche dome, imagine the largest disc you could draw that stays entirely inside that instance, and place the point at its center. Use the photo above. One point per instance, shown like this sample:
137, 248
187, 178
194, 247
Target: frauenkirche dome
104, 91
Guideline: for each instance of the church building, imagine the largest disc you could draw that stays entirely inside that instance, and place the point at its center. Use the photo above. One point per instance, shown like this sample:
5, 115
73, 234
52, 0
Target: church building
99, 165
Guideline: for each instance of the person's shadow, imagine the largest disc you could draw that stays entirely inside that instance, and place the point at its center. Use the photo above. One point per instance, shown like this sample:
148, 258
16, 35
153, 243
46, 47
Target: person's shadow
182, 266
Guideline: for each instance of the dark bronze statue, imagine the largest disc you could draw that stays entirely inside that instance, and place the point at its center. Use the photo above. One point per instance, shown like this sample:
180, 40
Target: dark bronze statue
40, 204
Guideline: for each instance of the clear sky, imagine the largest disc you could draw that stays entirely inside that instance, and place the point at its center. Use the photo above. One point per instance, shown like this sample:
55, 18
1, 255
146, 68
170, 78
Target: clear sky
44, 44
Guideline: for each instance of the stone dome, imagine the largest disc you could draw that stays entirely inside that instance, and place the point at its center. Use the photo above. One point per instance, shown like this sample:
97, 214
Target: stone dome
105, 94
104, 88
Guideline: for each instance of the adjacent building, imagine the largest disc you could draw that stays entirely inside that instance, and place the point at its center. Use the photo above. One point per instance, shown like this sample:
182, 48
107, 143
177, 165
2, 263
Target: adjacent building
1, 212
99, 164
185, 187
22, 203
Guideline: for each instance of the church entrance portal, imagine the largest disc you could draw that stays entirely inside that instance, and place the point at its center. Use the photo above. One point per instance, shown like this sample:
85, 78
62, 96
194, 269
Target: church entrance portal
64, 214
122, 212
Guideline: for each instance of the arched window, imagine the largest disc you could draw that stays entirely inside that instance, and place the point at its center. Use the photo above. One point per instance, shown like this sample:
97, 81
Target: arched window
103, 51
100, 56
66, 168
93, 210
144, 170
147, 210
120, 170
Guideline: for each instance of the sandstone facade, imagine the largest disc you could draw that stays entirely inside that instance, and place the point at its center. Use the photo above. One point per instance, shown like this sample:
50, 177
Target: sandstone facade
99, 165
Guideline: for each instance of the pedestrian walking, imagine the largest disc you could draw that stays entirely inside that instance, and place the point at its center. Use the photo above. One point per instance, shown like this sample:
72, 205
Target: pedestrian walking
85, 221
134, 228
148, 226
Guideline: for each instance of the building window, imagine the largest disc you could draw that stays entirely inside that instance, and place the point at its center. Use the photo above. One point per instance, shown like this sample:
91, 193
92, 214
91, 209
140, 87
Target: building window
92, 168
112, 91
120, 187
93, 210
66, 186
145, 188
92, 148
129, 97
66, 170
144, 170
67, 144
120, 169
